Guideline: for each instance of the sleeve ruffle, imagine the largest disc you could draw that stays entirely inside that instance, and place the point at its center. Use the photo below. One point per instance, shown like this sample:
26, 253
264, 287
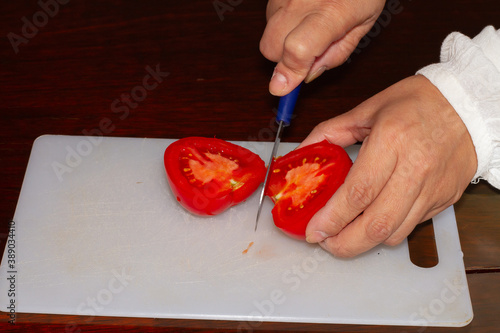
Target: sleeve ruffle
469, 77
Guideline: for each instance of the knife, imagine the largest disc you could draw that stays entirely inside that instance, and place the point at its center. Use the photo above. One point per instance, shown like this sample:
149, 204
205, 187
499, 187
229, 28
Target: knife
285, 111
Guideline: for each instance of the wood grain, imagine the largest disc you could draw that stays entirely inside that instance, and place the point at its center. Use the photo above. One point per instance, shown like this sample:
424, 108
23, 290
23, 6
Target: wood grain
74, 75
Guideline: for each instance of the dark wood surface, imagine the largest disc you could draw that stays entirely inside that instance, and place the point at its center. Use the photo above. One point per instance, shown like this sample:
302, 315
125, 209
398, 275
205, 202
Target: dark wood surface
67, 73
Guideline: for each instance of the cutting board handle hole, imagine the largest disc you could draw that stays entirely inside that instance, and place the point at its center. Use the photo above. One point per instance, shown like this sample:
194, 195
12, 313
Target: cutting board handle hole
422, 245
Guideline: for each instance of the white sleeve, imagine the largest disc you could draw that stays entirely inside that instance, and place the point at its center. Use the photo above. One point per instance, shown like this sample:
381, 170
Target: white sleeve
469, 77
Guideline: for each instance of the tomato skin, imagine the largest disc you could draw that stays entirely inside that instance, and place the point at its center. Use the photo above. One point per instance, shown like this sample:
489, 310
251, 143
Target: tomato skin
221, 189
314, 172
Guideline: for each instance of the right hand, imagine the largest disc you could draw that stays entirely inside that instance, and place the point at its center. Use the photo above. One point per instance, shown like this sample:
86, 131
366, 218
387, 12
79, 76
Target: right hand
417, 159
307, 37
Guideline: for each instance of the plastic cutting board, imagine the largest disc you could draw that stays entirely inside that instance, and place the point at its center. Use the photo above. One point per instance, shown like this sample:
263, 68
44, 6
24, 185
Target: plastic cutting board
98, 232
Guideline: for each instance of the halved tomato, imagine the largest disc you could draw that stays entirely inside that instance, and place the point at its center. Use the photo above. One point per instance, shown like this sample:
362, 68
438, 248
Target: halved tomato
209, 175
302, 181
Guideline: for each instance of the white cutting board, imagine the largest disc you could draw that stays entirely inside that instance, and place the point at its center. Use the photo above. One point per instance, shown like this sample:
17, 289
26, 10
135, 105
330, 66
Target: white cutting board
105, 236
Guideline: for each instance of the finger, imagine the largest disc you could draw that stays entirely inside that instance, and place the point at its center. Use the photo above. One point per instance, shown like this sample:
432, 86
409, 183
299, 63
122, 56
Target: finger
341, 130
279, 25
382, 219
366, 179
421, 211
347, 128
300, 50
416, 215
337, 53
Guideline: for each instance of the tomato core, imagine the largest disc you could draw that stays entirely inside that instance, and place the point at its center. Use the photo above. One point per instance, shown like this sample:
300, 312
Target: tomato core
202, 168
209, 175
302, 181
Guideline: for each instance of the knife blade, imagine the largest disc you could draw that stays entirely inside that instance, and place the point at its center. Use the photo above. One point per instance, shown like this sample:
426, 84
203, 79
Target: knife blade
285, 111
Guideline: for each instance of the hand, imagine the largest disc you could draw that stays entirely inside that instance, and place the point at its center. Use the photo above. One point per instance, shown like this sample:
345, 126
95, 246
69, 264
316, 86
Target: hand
307, 37
416, 159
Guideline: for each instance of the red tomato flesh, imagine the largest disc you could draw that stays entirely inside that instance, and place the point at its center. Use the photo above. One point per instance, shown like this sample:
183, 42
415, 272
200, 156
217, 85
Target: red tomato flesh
302, 181
209, 175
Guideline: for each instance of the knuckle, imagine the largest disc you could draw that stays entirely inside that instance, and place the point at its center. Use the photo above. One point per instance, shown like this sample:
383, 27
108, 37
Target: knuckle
423, 160
268, 51
394, 137
425, 165
379, 229
360, 195
296, 48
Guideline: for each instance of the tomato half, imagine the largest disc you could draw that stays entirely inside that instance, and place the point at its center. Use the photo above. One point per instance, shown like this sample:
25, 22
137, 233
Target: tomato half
302, 181
209, 175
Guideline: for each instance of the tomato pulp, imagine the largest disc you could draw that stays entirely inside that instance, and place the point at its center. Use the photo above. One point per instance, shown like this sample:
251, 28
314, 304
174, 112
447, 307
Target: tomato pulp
209, 175
302, 181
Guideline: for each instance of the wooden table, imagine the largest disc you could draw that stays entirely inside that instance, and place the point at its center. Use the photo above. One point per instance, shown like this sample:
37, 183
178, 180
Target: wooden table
68, 69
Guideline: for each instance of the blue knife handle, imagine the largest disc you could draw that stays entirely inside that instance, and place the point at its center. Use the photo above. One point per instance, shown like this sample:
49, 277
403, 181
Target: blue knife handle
286, 106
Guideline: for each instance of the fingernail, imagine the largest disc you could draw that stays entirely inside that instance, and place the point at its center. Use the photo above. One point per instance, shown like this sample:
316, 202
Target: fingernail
314, 75
316, 237
278, 83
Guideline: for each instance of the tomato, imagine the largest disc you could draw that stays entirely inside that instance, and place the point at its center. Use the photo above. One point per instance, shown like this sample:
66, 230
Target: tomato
302, 181
209, 175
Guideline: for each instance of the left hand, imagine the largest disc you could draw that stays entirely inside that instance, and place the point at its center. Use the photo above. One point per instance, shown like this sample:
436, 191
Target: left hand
417, 158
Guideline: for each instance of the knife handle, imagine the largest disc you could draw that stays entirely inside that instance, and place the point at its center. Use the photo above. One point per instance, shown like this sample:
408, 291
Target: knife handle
286, 106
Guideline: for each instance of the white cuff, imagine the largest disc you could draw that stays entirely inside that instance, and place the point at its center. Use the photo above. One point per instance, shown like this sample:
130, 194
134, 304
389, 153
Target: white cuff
469, 77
